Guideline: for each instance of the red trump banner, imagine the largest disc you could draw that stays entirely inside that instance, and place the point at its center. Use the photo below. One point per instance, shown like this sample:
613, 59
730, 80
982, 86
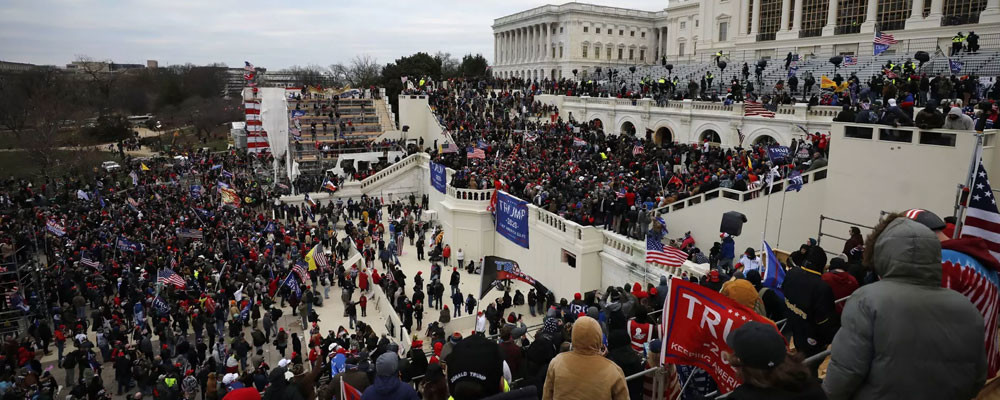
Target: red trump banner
696, 322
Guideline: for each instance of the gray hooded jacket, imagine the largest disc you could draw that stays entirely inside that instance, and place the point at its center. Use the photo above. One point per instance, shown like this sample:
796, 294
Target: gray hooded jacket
906, 337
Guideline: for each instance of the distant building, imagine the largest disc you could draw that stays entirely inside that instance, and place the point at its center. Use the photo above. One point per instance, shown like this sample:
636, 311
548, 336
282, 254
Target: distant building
551, 41
9, 66
101, 66
152, 64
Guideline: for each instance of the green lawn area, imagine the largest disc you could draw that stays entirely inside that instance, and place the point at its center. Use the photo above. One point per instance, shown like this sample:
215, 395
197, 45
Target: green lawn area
21, 165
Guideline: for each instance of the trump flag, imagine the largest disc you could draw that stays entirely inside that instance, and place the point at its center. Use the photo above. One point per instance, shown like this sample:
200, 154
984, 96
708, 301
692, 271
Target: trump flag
696, 321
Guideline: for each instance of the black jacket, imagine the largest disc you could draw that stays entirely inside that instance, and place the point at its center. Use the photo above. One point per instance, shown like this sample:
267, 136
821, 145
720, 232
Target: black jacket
810, 307
748, 392
627, 359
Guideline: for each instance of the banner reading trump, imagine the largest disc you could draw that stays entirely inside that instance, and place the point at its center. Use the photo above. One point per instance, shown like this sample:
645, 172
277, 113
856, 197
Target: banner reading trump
696, 323
496, 270
439, 177
512, 218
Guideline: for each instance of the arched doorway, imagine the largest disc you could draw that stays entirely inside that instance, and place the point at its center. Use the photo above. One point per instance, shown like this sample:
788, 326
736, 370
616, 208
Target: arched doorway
597, 124
627, 129
710, 135
765, 140
663, 136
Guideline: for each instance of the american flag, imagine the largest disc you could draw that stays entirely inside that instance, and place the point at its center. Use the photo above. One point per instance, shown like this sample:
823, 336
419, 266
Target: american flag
319, 257
579, 142
637, 149
755, 109
86, 260
981, 285
981, 216
167, 276
884, 38
657, 253
620, 194
473, 152
300, 270
850, 60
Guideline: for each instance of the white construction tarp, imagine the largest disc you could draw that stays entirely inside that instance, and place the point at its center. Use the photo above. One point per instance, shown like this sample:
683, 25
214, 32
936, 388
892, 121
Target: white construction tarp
274, 117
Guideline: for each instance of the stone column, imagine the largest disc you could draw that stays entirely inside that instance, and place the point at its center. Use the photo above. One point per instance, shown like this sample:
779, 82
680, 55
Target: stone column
797, 17
659, 44
785, 10
755, 21
831, 18
871, 17
992, 10
741, 22
937, 12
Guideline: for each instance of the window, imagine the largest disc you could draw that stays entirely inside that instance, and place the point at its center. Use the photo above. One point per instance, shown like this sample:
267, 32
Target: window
609, 53
621, 32
585, 29
632, 34
560, 29
560, 52
680, 49
814, 13
598, 31
850, 15
644, 34
695, 23
958, 12
553, 51
584, 51
631, 54
683, 24
892, 14
597, 52
770, 19
642, 55
723, 31
610, 31
620, 53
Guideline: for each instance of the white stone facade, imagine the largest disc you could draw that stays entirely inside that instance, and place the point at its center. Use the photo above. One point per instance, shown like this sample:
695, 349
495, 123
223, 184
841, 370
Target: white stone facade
553, 40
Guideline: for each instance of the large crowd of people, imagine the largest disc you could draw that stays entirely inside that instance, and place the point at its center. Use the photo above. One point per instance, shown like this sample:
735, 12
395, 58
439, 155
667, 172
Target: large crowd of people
577, 170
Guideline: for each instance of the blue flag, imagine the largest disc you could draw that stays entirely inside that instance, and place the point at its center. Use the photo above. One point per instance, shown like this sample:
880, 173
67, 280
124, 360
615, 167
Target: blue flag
161, 305
774, 273
245, 312
794, 181
955, 65
293, 284
196, 191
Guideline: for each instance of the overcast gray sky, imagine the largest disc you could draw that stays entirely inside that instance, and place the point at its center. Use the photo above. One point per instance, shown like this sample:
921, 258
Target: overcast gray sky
272, 34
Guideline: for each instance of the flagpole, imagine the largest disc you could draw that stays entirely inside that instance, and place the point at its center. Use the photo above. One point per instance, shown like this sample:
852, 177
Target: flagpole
960, 206
781, 217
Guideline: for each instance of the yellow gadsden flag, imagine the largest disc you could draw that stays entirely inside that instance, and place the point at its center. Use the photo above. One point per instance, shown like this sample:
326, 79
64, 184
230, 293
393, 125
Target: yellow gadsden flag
143, 167
311, 258
827, 83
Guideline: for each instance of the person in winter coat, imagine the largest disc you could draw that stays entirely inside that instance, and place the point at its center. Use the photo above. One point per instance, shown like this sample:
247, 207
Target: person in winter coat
892, 115
584, 373
621, 353
445, 315
841, 282
905, 335
930, 117
768, 372
387, 385
810, 304
957, 120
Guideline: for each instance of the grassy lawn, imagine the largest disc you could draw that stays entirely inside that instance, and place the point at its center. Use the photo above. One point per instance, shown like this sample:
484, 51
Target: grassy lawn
79, 163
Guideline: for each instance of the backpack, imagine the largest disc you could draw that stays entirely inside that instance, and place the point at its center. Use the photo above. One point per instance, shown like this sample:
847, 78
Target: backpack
759, 307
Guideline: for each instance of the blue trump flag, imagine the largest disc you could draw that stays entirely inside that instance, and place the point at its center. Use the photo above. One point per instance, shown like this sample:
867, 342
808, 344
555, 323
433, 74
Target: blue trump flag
439, 177
778, 154
955, 66
774, 274
512, 218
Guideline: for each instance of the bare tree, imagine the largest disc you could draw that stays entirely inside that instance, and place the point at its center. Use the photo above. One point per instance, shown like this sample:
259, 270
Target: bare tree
450, 66
364, 71
310, 75
100, 73
339, 75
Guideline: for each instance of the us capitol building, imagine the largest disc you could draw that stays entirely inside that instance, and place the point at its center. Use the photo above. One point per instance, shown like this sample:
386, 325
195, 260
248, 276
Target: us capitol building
552, 41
